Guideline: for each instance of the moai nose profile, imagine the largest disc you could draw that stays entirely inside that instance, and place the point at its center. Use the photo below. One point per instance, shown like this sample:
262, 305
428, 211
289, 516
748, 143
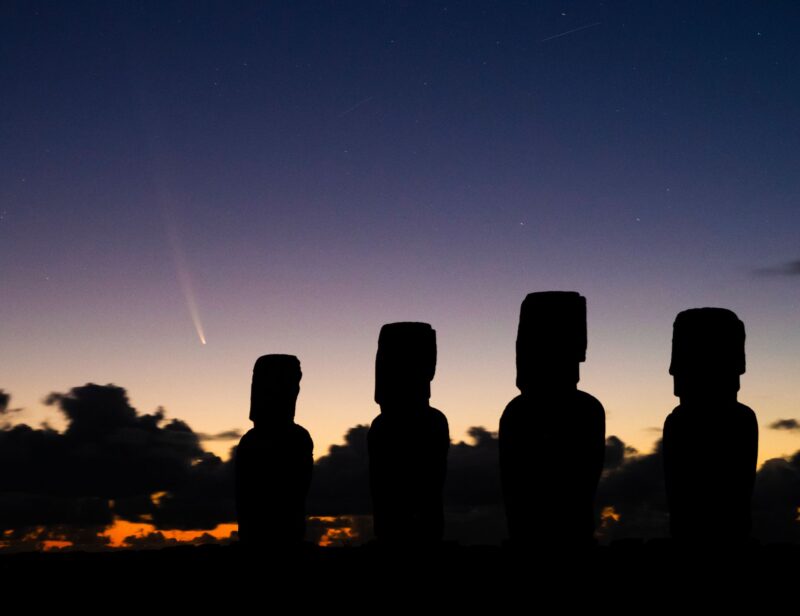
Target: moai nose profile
405, 364
274, 389
707, 353
551, 340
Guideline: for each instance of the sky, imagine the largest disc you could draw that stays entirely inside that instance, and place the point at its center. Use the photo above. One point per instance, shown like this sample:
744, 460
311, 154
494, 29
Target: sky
188, 185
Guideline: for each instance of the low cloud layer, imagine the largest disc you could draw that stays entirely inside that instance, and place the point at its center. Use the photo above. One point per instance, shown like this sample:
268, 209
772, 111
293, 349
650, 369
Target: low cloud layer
791, 425
227, 435
112, 463
5, 409
108, 463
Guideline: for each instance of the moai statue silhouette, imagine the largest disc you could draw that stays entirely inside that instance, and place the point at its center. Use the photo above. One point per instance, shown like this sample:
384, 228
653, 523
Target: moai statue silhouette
552, 436
408, 442
274, 460
710, 439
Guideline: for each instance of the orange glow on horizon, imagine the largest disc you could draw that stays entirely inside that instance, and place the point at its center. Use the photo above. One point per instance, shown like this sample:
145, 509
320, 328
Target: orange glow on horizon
156, 497
55, 544
122, 534
120, 530
40, 537
335, 535
609, 516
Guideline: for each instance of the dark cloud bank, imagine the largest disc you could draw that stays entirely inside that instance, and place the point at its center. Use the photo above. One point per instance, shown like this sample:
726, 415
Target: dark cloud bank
110, 461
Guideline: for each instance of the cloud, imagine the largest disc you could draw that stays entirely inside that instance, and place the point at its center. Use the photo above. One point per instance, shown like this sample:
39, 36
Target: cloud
785, 424
113, 463
227, 435
204, 499
636, 491
790, 268
473, 497
87, 538
473, 472
340, 481
616, 451
28, 509
634, 487
776, 500
109, 450
157, 540
5, 398
339, 531
107, 463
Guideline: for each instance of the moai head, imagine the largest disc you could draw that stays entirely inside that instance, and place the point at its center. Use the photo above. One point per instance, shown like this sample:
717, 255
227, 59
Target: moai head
551, 340
276, 384
707, 353
405, 364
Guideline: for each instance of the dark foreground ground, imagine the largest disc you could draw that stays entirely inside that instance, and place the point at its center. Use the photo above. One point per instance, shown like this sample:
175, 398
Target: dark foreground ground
626, 577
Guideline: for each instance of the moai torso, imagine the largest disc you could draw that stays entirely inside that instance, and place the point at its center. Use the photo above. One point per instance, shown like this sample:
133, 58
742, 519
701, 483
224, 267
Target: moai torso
551, 457
408, 464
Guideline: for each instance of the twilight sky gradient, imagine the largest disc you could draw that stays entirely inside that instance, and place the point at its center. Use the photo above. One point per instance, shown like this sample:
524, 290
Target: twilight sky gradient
307, 174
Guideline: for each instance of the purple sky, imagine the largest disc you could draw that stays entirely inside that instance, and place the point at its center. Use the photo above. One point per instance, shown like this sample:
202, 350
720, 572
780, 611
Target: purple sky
308, 174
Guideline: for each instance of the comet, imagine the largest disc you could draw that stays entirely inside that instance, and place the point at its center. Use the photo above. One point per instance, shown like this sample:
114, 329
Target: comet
147, 107
185, 281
